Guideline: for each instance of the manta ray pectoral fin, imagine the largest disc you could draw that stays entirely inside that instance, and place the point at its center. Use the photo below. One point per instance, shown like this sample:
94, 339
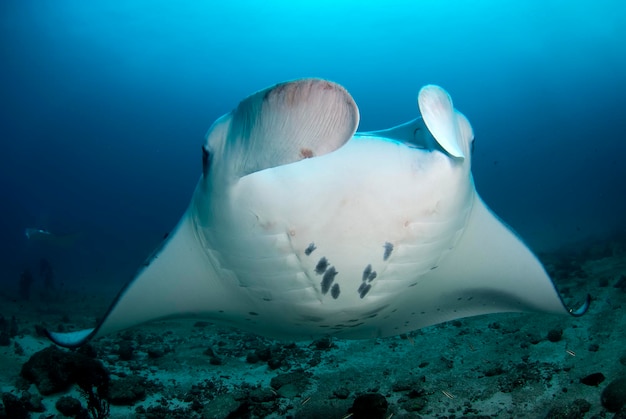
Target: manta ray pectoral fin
491, 270
178, 280
439, 115
286, 123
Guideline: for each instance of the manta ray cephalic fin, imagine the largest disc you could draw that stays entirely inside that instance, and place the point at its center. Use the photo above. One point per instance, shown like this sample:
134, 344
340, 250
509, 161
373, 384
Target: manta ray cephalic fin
284, 124
435, 105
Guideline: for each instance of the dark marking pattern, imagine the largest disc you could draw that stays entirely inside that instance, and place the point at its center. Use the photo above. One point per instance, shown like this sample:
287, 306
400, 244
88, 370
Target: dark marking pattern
321, 266
328, 279
309, 249
366, 272
369, 274
335, 291
252, 313
388, 249
364, 289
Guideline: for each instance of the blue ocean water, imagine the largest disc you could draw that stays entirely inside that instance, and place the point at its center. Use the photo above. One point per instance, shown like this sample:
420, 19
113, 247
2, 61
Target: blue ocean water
105, 105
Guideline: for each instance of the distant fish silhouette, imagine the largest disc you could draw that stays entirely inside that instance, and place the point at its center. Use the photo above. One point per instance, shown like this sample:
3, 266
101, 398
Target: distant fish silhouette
41, 235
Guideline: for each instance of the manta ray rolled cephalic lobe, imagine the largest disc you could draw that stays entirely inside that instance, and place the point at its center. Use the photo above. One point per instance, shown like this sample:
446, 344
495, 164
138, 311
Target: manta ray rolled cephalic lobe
302, 227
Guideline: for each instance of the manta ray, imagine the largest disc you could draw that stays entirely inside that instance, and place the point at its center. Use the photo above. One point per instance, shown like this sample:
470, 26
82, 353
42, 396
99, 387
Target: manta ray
302, 227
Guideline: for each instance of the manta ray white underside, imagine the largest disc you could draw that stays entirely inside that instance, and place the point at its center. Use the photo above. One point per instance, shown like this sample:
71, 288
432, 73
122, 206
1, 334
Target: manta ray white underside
301, 227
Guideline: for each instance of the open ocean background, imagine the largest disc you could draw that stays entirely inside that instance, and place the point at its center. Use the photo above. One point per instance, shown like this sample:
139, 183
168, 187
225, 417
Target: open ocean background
105, 105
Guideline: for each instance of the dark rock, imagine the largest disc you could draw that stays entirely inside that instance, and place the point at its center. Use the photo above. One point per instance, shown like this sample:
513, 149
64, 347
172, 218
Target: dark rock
69, 406
32, 402
621, 283
155, 352
264, 354
125, 350
341, 393
594, 347
252, 358
369, 406
555, 335
492, 372
13, 407
262, 395
576, 410
323, 344
415, 405
593, 379
415, 393
53, 370
40, 330
621, 414
275, 363
220, 407
5, 340
88, 350
298, 379
402, 385
614, 395
126, 391
214, 359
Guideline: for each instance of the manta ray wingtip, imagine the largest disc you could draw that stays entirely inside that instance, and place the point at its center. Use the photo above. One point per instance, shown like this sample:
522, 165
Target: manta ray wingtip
582, 309
71, 339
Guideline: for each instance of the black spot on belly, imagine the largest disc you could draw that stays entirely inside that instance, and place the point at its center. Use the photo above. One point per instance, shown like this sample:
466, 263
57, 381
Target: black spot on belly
321, 266
366, 272
364, 289
328, 279
310, 248
252, 313
388, 249
335, 291
369, 274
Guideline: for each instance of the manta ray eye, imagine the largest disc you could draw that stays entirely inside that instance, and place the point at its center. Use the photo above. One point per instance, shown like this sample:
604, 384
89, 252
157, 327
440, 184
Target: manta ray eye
206, 160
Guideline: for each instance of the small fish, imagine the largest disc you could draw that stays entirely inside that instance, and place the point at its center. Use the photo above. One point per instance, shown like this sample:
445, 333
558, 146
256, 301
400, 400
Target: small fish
45, 236
37, 234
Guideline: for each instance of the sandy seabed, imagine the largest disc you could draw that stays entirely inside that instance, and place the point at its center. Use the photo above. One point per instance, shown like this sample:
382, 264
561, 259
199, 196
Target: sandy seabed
502, 365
